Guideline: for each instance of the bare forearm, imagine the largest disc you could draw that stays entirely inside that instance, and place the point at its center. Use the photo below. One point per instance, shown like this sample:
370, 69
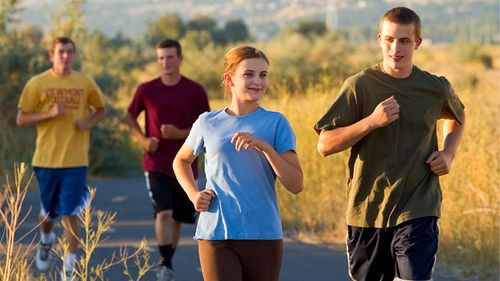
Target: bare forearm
185, 177
287, 168
134, 127
342, 138
452, 133
183, 133
96, 116
27, 119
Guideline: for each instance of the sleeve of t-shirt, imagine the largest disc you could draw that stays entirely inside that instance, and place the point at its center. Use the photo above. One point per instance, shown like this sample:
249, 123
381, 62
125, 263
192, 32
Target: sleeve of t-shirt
96, 97
343, 111
452, 106
30, 98
203, 105
137, 105
195, 138
285, 138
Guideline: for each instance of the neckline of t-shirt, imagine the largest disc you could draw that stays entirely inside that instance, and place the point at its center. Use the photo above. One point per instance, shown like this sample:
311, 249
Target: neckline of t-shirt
259, 109
412, 74
171, 86
60, 77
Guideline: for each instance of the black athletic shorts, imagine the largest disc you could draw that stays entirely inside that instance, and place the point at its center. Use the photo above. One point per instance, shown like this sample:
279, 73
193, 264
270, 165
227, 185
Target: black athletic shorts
407, 251
167, 194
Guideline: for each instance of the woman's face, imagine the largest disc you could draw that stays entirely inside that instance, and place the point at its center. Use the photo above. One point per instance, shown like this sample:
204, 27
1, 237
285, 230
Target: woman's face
249, 80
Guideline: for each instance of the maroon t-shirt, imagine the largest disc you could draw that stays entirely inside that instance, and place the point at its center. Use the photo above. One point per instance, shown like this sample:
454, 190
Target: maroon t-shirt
180, 105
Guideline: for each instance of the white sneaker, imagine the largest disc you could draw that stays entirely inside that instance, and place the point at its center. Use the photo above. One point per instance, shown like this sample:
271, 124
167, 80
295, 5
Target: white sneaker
165, 274
43, 253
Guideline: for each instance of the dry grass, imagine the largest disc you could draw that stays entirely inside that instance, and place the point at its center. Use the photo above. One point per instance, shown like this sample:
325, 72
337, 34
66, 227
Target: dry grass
16, 257
14, 260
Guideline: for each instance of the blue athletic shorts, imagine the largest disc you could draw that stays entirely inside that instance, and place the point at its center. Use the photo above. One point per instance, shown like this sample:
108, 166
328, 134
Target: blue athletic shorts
63, 191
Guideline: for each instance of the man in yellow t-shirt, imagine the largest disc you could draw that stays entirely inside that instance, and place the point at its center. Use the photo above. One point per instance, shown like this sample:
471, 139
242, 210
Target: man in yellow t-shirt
64, 105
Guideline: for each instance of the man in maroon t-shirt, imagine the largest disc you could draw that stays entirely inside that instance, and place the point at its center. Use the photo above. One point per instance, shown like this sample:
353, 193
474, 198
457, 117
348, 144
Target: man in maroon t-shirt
171, 103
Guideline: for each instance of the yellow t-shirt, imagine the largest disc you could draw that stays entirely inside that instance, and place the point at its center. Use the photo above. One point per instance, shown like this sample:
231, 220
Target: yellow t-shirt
60, 143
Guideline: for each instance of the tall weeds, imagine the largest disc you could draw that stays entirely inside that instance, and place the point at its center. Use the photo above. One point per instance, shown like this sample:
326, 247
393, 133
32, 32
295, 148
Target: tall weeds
94, 224
14, 259
16, 256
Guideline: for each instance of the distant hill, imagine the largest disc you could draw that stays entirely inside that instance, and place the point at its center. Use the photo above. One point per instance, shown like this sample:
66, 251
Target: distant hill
444, 20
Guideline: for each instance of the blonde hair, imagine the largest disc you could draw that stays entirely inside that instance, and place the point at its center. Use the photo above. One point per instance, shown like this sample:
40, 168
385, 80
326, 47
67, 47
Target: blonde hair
233, 58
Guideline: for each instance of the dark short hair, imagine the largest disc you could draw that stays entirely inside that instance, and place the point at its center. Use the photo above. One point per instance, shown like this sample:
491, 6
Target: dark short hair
170, 43
62, 40
403, 15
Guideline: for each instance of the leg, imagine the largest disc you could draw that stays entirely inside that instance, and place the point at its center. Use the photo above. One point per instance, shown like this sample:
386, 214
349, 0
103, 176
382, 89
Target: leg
46, 225
369, 254
71, 232
176, 232
261, 259
183, 211
163, 227
73, 197
415, 246
160, 194
219, 261
49, 185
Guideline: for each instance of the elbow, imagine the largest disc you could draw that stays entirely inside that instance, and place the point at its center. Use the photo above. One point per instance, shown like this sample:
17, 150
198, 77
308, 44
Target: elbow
175, 165
20, 122
328, 144
326, 151
298, 185
321, 150
297, 189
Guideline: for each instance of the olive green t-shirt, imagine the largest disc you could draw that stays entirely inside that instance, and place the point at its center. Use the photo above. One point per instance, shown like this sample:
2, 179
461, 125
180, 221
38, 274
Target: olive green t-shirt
388, 180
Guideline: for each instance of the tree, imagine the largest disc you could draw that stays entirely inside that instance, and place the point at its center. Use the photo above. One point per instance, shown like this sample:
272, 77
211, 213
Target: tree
311, 27
236, 31
201, 22
69, 21
8, 9
167, 26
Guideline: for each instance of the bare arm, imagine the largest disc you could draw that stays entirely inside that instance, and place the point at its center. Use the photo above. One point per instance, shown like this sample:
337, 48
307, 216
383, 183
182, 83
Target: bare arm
148, 144
286, 165
440, 161
97, 115
169, 131
182, 169
339, 139
25, 119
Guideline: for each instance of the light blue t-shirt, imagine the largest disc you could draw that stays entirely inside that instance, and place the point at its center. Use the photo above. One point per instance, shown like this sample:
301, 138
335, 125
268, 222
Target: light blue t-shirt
245, 206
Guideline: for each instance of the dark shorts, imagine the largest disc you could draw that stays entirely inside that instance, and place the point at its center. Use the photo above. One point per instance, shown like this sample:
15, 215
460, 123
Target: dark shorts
240, 260
63, 191
407, 251
166, 194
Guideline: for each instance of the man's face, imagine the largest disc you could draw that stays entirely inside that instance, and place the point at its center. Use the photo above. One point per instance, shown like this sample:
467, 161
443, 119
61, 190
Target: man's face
398, 42
62, 57
168, 60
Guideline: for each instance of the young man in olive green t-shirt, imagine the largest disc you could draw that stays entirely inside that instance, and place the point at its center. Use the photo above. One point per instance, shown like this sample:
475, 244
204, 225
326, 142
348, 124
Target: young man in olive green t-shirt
387, 115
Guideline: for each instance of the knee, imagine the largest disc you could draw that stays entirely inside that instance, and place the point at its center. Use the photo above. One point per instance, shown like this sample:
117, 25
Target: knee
164, 215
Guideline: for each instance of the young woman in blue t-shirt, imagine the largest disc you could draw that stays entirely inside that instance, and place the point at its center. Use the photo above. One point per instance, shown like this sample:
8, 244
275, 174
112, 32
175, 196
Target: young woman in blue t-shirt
246, 148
